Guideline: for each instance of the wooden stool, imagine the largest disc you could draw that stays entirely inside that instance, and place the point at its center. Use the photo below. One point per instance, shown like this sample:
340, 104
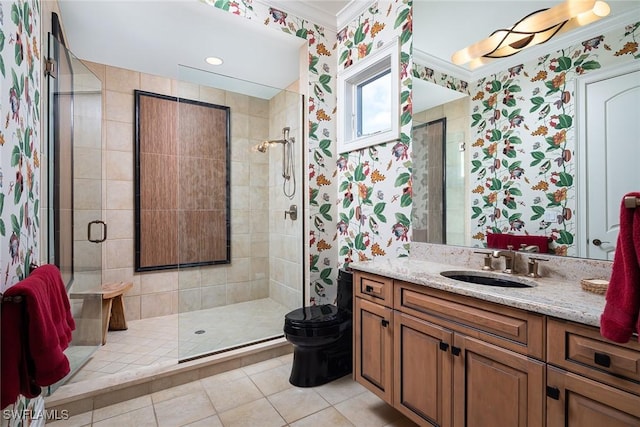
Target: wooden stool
113, 308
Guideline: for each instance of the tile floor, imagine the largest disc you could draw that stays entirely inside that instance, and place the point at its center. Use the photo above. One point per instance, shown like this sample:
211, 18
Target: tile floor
166, 338
257, 395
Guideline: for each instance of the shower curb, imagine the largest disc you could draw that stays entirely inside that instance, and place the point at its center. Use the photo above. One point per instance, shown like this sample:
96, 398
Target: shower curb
89, 395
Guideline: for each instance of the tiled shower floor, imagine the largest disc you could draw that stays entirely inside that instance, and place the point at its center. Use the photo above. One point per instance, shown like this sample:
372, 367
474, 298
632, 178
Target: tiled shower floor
165, 339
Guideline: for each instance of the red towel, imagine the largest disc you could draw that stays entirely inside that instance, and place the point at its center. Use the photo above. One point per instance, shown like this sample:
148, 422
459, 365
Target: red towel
621, 312
501, 241
35, 333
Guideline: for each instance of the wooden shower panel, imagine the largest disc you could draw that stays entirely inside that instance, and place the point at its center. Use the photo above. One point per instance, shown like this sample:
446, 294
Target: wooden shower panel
182, 198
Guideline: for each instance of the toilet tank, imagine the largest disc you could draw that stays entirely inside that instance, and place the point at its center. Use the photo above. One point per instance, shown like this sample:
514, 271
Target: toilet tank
345, 290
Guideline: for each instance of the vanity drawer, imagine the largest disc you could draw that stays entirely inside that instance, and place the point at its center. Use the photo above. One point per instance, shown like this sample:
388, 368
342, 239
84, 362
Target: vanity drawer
374, 288
581, 349
508, 327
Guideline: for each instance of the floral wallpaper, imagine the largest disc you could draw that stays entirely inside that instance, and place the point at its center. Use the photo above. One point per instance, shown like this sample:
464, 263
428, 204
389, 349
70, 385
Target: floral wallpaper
19, 148
431, 75
373, 186
19, 139
523, 146
375, 190
320, 139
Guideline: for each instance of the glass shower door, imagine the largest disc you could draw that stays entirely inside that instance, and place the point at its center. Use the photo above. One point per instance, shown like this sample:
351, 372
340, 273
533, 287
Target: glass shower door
74, 181
235, 303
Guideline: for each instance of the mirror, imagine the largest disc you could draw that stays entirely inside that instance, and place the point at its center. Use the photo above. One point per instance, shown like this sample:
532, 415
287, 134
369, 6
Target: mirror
440, 166
525, 168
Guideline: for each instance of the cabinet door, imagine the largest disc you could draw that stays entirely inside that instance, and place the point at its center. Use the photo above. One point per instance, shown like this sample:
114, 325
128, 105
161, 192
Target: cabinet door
575, 401
423, 370
373, 349
496, 387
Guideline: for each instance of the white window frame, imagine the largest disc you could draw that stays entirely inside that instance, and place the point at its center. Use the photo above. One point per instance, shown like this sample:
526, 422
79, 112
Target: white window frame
385, 58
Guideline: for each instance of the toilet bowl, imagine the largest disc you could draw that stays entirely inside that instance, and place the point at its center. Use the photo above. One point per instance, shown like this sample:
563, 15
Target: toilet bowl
321, 338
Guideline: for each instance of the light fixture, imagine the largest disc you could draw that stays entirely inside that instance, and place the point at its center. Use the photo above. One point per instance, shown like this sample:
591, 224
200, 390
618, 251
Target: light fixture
214, 60
535, 28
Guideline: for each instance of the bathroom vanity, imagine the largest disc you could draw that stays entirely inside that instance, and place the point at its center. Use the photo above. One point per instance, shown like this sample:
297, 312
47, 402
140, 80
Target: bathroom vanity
451, 353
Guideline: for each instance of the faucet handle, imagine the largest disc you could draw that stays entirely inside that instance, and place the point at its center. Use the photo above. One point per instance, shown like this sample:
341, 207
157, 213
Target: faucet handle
509, 247
529, 248
487, 261
532, 266
531, 258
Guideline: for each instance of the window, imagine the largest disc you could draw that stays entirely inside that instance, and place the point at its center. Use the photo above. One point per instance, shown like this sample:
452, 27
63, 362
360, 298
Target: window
369, 90
373, 105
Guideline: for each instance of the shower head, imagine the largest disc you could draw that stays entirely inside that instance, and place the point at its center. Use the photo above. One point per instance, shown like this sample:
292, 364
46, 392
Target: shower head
264, 145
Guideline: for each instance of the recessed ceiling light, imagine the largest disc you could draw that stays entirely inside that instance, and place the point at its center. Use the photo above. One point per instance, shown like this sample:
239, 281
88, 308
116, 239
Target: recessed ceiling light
214, 60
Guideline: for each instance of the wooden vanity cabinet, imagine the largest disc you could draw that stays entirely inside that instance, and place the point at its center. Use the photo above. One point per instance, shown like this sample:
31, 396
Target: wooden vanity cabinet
590, 381
373, 334
496, 387
423, 374
445, 375
577, 401
450, 360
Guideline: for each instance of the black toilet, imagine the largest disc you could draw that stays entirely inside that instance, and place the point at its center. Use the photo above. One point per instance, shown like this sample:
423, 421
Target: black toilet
321, 338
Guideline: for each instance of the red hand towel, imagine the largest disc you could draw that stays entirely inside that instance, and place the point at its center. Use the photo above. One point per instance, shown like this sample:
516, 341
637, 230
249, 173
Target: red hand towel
502, 240
621, 311
35, 333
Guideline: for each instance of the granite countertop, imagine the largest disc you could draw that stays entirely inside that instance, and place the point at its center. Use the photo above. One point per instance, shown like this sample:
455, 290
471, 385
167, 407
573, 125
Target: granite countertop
554, 297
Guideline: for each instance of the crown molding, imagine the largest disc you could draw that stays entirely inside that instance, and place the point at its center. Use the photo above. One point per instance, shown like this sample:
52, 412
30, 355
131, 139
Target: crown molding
304, 10
350, 12
427, 60
563, 41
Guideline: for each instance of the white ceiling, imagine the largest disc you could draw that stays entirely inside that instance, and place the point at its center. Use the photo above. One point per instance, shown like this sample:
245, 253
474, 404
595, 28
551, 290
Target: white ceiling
154, 36
160, 37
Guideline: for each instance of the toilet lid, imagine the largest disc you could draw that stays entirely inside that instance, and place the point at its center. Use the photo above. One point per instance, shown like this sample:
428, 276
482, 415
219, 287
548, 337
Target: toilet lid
316, 316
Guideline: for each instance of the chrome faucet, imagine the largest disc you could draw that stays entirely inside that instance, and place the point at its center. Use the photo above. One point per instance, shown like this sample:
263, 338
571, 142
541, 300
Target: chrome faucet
509, 259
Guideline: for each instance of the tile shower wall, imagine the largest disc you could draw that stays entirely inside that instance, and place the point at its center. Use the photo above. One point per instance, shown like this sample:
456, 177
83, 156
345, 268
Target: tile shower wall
286, 236
168, 292
321, 184
87, 183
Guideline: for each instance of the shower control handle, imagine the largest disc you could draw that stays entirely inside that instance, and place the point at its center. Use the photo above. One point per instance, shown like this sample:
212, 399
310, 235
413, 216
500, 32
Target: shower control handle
292, 212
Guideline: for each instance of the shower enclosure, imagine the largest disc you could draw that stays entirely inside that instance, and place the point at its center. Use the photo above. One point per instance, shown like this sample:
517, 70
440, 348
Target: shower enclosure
226, 306
73, 161
178, 313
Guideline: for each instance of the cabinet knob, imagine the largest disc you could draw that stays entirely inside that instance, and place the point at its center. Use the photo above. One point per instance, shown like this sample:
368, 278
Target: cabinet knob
602, 359
444, 346
368, 288
553, 392
385, 323
455, 350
